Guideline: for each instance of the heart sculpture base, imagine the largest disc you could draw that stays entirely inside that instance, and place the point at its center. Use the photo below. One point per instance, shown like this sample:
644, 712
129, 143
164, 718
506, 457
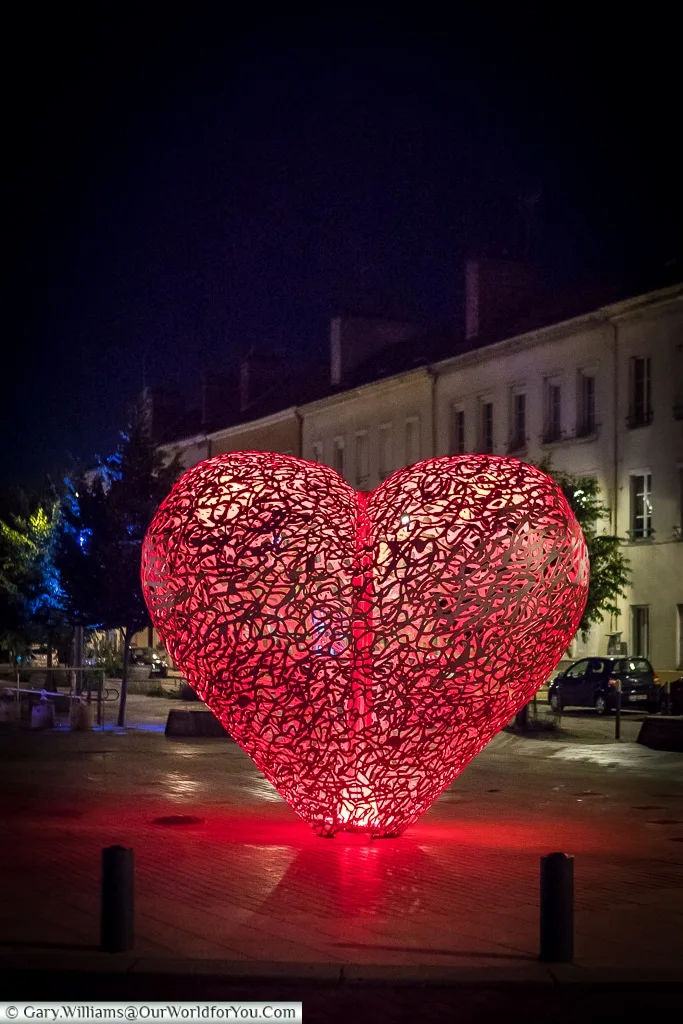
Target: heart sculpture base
363, 648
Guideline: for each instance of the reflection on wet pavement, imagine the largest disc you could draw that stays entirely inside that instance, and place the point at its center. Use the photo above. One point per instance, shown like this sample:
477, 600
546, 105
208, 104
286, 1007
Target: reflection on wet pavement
233, 873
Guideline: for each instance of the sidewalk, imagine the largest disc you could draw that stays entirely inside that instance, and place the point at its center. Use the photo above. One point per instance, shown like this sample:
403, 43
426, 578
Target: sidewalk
329, 995
574, 726
245, 880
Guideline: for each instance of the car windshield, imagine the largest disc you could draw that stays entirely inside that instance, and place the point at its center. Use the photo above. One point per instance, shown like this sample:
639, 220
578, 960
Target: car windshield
633, 666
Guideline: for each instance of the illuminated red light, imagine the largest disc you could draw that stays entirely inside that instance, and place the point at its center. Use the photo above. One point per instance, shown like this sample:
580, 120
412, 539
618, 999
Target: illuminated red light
363, 648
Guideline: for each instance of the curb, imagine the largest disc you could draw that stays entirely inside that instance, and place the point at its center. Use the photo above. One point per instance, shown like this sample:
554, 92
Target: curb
534, 975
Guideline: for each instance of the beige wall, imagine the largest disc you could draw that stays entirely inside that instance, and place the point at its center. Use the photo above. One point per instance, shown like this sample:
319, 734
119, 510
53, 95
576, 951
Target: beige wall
279, 433
602, 345
496, 374
526, 366
282, 435
396, 410
657, 564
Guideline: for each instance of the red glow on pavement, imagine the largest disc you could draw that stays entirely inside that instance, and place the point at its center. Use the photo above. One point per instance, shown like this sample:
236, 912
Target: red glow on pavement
362, 649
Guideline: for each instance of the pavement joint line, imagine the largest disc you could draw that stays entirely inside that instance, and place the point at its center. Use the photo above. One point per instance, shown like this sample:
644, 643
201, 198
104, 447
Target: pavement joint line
356, 975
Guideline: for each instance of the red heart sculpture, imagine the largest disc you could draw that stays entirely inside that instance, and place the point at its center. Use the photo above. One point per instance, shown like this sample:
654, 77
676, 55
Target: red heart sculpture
363, 648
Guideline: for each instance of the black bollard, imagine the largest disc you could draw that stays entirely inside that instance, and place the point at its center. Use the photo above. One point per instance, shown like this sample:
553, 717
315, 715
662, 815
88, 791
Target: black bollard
557, 909
117, 928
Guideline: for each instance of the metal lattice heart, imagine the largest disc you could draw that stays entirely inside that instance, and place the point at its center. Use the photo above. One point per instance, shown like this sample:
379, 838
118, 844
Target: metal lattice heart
363, 648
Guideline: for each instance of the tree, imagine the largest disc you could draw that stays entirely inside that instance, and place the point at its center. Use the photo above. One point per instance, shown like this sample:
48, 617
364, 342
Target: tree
609, 569
15, 556
106, 514
30, 598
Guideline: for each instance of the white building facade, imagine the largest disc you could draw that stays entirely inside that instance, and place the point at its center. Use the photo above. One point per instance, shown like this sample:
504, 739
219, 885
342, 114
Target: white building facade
368, 432
601, 395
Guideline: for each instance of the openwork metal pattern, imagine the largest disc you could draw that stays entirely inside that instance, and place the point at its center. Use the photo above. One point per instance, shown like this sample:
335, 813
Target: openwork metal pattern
363, 648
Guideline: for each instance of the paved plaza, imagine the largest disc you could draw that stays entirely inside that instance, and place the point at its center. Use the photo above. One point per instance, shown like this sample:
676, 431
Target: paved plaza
225, 871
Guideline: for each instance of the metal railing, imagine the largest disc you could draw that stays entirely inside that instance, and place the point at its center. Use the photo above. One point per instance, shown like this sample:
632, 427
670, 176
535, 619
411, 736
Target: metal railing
639, 418
76, 692
645, 533
516, 443
586, 429
552, 435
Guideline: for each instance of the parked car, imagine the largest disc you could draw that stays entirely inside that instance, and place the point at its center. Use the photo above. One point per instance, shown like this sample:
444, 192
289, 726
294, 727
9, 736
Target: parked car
147, 656
593, 682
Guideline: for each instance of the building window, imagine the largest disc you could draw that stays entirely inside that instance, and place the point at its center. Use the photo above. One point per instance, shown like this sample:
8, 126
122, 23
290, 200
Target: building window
412, 440
640, 405
456, 442
585, 413
553, 411
641, 506
338, 455
517, 422
679, 612
362, 459
384, 459
317, 449
486, 427
640, 631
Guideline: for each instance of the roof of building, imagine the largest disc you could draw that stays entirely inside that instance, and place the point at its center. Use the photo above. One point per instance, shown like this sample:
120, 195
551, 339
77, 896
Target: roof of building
423, 349
290, 390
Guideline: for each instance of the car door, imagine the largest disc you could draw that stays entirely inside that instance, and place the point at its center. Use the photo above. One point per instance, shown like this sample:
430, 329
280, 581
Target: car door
594, 681
572, 684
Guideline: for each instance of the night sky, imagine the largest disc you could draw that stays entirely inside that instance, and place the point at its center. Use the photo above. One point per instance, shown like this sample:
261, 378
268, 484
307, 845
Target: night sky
187, 186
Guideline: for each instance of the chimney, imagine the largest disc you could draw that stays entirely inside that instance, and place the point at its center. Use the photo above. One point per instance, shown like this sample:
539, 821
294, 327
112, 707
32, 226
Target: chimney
500, 293
354, 338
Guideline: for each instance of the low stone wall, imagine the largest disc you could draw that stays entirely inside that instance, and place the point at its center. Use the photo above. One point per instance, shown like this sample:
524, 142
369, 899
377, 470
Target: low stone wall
662, 732
195, 722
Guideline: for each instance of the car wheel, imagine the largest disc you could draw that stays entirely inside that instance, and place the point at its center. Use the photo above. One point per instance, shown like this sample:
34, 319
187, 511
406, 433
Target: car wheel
601, 705
555, 702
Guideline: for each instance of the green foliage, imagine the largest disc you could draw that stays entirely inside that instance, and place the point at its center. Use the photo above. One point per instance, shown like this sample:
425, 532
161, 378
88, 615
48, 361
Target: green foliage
105, 517
15, 560
29, 591
609, 568
107, 654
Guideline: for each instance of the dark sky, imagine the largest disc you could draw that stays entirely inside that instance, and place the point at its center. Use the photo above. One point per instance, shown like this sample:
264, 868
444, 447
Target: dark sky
189, 185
